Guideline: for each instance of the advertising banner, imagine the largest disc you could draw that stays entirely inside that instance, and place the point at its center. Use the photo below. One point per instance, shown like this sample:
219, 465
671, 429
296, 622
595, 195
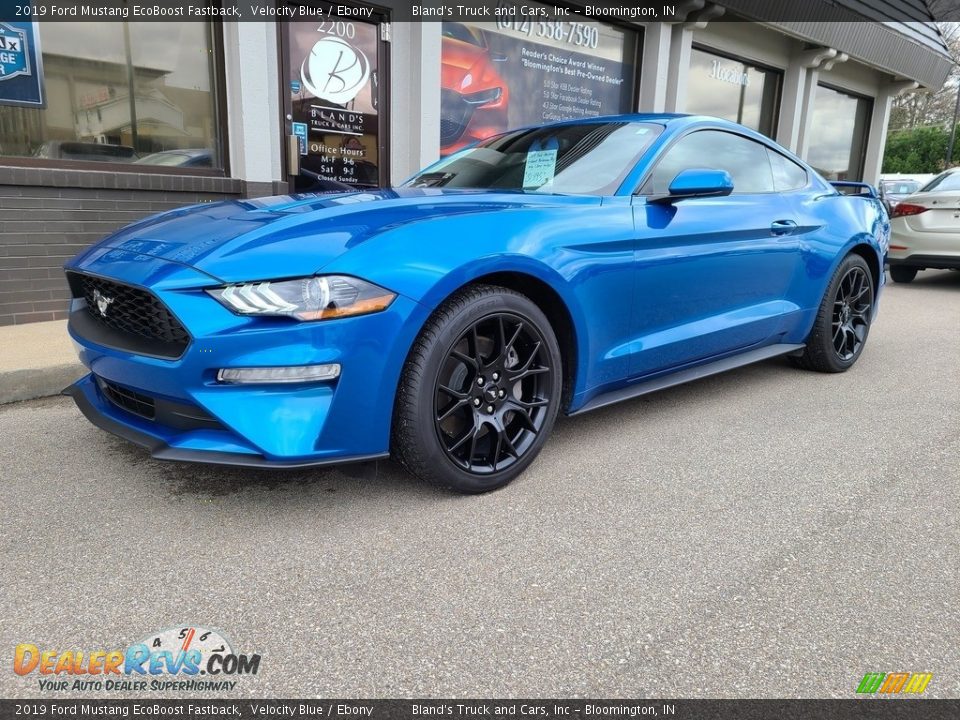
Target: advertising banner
21, 66
517, 71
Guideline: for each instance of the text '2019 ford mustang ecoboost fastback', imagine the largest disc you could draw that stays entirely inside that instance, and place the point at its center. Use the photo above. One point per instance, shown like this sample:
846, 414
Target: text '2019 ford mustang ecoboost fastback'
448, 322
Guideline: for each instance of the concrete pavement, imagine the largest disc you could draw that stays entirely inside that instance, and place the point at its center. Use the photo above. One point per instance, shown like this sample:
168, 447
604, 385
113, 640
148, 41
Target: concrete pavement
38, 359
765, 533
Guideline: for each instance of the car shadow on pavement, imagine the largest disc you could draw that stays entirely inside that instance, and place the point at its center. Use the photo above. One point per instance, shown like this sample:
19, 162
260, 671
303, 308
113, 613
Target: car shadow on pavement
360, 479
386, 477
219, 481
647, 410
931, 279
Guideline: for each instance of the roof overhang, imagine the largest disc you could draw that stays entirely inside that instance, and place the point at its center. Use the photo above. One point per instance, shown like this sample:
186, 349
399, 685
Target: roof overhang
879, 45
906, 44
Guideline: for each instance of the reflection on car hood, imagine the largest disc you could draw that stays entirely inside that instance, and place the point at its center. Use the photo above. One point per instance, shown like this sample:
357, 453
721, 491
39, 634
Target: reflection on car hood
293, 235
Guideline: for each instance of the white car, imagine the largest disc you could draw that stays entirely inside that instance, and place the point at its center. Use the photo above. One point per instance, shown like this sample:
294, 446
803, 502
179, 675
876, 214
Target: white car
925, 228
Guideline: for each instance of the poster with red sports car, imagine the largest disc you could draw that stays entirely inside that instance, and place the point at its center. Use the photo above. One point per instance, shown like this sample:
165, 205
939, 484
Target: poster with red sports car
520, 71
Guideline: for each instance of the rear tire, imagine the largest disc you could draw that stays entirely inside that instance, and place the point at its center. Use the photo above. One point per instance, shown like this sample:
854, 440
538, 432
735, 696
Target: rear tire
479, 392
843, 321
903, 273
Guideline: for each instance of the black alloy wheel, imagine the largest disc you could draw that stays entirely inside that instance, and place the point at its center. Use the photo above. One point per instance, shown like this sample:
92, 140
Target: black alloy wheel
843, 320
493, 393
851, 313
479, 392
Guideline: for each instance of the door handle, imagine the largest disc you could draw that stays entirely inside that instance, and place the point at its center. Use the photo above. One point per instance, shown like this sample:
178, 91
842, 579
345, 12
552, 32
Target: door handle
782, 227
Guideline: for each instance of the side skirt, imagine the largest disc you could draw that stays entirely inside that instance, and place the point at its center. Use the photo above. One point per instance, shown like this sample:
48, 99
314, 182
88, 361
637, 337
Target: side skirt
683, 376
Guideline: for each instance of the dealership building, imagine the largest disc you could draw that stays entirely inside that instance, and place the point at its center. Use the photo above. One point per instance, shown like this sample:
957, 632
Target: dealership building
104, 123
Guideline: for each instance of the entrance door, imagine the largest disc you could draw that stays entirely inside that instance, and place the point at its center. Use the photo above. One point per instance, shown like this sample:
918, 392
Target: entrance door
335, 104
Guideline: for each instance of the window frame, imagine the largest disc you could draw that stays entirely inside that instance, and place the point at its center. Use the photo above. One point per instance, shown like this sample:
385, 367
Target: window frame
764, 143
862, 156
220, 115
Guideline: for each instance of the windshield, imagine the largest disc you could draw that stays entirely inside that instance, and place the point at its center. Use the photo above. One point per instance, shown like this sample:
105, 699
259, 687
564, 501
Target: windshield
944, 181
458, 31
584, 159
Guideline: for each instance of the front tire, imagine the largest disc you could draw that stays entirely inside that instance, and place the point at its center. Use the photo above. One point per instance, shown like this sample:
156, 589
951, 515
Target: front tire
843, 320
479, 392
902, 273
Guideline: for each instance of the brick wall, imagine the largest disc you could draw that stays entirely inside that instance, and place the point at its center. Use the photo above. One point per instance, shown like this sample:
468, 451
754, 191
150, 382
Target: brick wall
47, 216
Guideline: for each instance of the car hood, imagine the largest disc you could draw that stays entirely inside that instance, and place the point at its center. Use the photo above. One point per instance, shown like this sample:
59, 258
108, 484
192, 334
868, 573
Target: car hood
296, 235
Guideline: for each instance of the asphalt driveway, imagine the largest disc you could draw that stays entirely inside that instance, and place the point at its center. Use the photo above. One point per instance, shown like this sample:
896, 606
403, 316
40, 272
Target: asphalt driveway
765, 533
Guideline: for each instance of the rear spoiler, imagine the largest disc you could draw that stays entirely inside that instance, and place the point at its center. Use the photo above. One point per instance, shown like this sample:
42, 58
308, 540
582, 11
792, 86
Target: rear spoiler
845, 187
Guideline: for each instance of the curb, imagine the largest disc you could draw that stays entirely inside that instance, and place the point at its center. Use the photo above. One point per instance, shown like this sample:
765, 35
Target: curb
32, 383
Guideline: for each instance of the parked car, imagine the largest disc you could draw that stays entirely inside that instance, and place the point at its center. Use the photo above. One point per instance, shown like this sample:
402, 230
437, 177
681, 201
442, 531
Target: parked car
473, 96
925, 229
449, 321
893, 191
199, 157
87, 151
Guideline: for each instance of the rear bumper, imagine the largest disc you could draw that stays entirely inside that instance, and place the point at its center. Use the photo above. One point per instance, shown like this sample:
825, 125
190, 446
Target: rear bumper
936, 262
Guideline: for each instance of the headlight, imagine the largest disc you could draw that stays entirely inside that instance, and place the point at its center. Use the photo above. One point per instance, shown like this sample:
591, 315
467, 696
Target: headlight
483, 97
314, 298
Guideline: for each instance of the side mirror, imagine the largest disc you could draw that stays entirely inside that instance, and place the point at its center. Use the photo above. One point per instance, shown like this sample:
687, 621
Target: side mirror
696, 182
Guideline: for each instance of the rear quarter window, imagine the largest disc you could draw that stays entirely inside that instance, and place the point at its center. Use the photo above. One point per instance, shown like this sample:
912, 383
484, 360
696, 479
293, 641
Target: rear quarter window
787, 175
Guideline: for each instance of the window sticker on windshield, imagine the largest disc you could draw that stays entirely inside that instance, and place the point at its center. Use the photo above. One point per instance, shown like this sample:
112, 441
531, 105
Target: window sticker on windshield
540, 168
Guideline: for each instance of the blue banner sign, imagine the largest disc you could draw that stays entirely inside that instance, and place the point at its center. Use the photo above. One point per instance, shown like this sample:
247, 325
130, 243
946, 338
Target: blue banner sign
21, 65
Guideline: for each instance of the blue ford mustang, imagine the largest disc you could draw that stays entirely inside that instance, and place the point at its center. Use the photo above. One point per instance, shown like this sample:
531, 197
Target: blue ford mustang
447, 322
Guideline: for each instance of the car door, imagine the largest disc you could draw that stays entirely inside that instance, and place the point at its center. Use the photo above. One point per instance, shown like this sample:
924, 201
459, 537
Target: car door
711, 272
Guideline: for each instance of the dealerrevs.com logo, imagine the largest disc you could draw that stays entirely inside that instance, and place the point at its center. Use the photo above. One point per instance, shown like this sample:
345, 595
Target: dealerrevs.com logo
169, 660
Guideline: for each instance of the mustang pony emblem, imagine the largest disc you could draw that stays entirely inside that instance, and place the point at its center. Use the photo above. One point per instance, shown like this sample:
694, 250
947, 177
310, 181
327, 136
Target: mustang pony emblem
102, 302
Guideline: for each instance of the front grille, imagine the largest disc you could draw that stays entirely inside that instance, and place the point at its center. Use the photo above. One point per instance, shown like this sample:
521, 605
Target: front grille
132, 314
455, 115
129, 400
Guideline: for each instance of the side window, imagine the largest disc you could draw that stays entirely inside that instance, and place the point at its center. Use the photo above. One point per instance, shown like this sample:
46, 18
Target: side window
787, 175
744, 159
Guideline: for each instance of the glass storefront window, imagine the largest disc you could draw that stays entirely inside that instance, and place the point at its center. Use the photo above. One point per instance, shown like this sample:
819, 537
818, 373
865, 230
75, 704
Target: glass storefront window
734, 90
121, 97
838, 130
515, 72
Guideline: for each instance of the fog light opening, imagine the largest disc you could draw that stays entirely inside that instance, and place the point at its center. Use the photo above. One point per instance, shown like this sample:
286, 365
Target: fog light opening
288, 374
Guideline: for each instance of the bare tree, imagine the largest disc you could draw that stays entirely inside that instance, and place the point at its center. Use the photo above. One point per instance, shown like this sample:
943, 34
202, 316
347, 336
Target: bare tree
922, 109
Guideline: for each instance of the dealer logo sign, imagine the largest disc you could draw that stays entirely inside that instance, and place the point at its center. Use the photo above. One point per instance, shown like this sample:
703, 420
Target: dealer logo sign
186, 658
14, 58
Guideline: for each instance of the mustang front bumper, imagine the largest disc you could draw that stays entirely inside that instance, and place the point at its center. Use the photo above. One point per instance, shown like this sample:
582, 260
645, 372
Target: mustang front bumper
179, 410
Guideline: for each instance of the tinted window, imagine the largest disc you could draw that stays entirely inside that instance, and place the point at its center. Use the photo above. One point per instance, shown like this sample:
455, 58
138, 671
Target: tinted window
459, 31
744, 159
787, 175
581, 159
